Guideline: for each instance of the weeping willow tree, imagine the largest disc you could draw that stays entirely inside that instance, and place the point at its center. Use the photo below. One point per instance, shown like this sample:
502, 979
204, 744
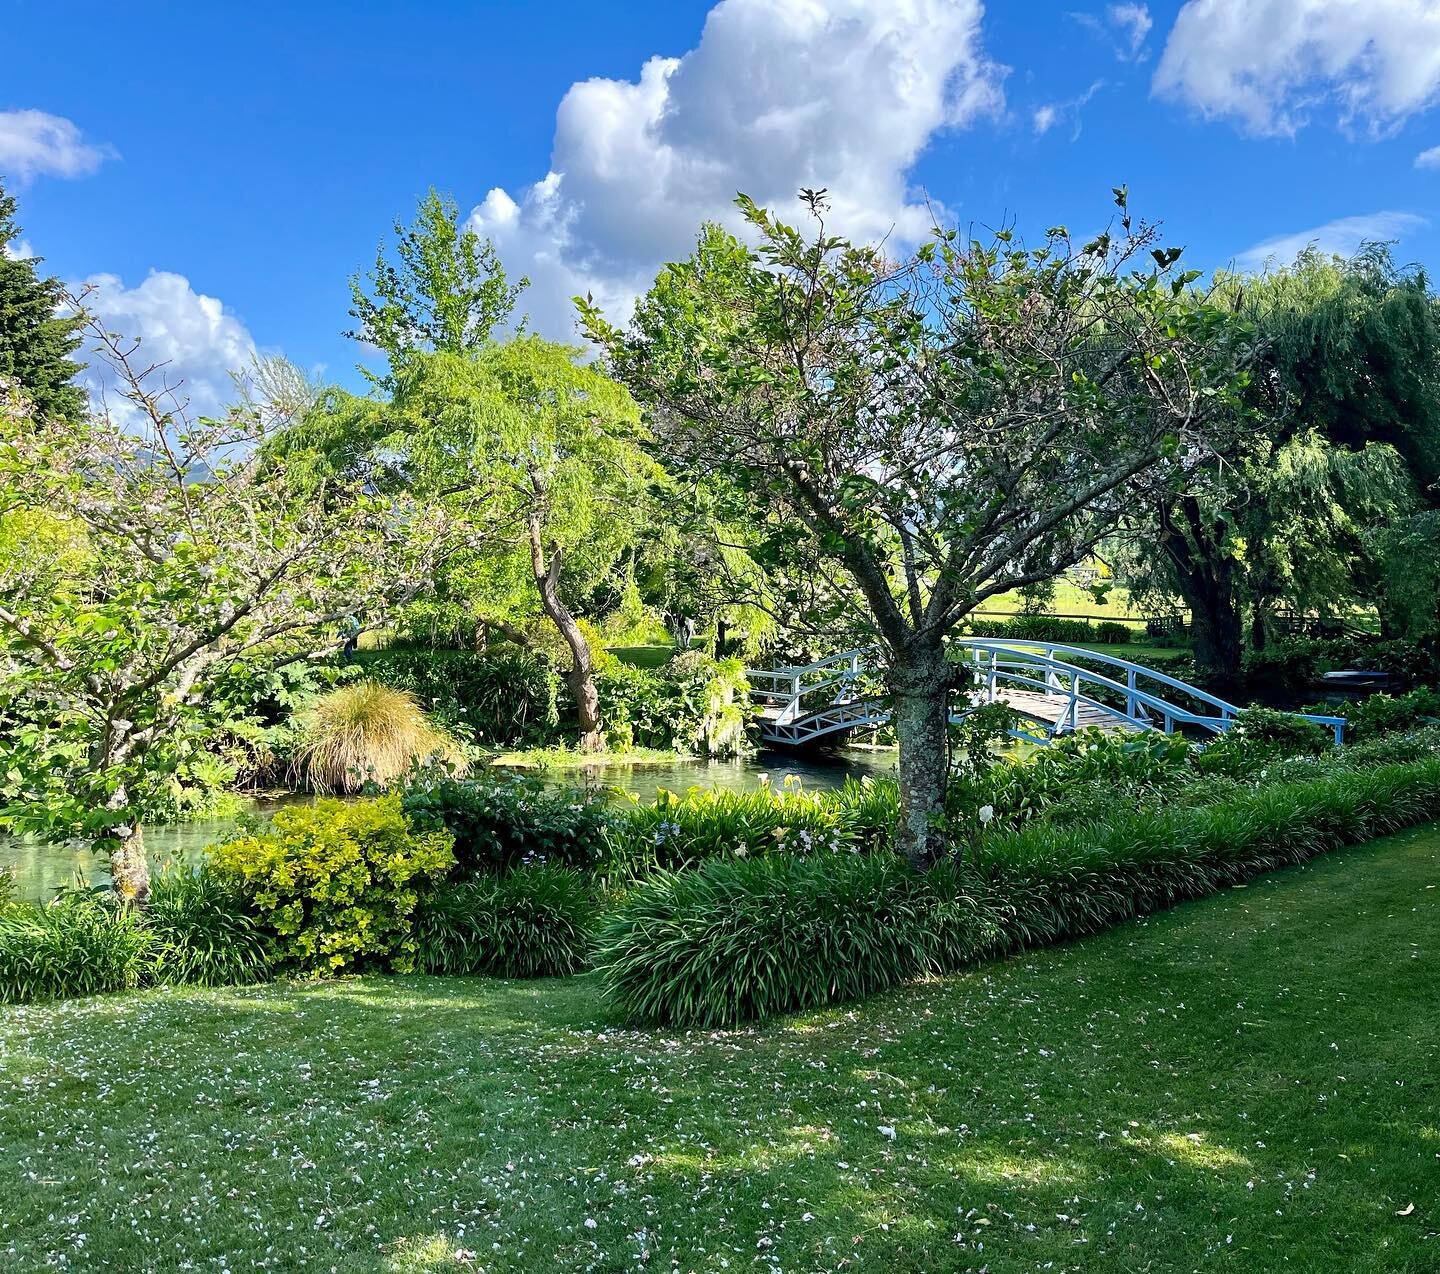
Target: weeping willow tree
542, 455
1347, 443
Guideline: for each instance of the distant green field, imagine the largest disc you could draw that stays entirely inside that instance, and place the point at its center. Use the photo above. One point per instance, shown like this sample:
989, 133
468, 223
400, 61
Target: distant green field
1071, 599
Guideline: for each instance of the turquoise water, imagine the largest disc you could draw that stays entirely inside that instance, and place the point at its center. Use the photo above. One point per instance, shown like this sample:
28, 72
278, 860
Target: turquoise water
41, 869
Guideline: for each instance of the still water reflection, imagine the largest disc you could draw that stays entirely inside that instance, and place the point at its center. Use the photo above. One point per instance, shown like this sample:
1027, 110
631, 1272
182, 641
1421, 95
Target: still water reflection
41, 869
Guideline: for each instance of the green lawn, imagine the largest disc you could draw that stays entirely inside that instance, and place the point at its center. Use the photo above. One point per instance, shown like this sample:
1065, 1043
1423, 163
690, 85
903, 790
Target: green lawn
1247, 1083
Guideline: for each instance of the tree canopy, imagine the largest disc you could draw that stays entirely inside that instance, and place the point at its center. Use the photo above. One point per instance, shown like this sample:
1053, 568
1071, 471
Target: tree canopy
933, 432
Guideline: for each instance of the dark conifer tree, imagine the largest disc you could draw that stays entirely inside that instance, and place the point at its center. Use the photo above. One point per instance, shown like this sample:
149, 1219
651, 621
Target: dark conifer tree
36, 338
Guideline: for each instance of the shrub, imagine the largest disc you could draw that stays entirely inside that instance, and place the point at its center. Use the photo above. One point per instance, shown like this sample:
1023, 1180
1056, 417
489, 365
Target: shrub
336, 883
712, 712
694, 704
1380, 713
731, 941
1112, 633
203, 934
80, 944
679, 830
638, 706
535, 921
500, 822
368, 733
500, 697
1260, 735
7, 887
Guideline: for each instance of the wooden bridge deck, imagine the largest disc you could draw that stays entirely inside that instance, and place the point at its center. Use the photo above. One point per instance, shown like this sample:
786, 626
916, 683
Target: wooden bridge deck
1041, 707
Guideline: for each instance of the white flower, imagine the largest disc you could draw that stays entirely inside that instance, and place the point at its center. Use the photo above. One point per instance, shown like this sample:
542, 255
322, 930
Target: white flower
987, 812
590, 1223
887, 1131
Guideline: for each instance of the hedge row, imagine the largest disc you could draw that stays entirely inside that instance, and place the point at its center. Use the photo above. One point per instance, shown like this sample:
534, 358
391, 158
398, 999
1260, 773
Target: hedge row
731, 941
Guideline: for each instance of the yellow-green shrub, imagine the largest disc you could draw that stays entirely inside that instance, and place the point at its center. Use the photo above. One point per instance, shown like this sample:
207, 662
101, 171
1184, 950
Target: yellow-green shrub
336, 883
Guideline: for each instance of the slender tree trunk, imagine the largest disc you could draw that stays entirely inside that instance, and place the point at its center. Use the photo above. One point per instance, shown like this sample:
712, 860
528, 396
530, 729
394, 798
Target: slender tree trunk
920, 711
581, 677
129, 868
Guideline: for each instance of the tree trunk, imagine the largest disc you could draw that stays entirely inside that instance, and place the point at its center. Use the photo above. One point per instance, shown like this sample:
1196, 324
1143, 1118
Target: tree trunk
920, 711
1206, 577
129, 869
581, 676
1219, 640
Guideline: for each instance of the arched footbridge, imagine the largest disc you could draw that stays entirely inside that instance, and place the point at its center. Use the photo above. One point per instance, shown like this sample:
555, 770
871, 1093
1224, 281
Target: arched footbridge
1055, 689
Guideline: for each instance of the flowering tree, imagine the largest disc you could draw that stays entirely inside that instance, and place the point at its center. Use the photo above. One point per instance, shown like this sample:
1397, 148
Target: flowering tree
192, 551
921, 436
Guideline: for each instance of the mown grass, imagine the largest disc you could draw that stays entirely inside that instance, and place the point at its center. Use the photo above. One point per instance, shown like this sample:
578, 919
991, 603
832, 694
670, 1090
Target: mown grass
1250, 1082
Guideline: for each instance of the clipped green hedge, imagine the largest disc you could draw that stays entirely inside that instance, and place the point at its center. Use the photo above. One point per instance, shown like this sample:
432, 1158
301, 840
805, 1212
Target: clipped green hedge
733, 941
536, 921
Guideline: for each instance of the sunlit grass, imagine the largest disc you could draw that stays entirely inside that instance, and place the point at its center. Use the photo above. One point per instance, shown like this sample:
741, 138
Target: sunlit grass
1245, 1083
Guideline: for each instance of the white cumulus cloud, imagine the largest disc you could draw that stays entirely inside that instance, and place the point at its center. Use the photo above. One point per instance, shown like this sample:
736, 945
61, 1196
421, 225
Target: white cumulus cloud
1428, 158
776, 96
1342, 237
195, 338
1270, 65
34, 143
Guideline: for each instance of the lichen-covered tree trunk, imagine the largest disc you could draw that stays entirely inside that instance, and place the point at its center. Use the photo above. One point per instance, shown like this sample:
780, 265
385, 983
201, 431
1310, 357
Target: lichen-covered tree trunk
129, 868
920, 712
581, 676
125, 844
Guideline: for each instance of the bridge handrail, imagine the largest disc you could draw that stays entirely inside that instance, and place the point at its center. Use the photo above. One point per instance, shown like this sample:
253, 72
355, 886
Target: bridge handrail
1017, 647
1228, 711
1007, 657
1166, 709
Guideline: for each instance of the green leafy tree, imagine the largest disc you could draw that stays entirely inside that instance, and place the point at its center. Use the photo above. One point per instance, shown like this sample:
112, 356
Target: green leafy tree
1345, 410
38, 330
543, 457
444, 289
192, 555
927, 434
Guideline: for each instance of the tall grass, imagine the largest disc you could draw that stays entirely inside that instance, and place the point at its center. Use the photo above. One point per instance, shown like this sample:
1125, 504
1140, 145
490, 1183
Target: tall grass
368, 732
733, 940
1047, 884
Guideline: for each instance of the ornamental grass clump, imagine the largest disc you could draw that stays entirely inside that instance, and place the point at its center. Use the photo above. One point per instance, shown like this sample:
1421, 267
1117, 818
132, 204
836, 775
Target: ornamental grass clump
535, 921
82, 943
1047, 884
732, 941
368, 733
335, 884
203, 934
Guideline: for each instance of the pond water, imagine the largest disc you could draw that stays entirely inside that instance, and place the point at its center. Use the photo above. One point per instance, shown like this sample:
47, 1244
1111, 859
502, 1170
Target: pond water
40, 869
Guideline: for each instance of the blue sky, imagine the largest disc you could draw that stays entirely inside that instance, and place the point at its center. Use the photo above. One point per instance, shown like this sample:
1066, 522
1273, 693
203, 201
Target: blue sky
220, 170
